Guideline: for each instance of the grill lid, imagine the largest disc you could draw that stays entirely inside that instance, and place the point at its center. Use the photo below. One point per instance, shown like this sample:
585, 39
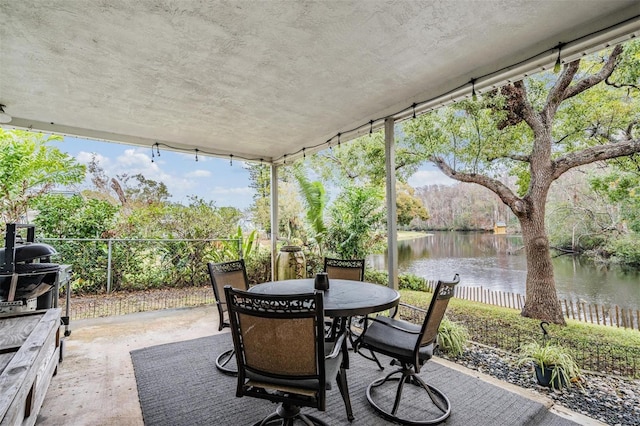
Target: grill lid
29, 251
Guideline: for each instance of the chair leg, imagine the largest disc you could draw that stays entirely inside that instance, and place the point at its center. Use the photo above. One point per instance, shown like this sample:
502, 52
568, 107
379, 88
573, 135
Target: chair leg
407, 375
355, 345
223, 359
344, 391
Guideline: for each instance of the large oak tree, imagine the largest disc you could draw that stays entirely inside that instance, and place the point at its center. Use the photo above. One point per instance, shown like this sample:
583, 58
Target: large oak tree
538, 129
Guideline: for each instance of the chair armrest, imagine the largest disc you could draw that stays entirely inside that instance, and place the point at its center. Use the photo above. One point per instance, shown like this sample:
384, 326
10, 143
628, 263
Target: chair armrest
424, 311
337, 346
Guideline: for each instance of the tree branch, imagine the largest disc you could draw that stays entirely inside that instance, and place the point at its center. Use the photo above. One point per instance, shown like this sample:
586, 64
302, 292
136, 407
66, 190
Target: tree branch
506, 195
592, 80
518, 157
558, 92
593, 154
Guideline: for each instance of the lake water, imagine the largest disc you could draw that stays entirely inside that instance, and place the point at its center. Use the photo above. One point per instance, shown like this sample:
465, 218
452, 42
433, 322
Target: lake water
497, 262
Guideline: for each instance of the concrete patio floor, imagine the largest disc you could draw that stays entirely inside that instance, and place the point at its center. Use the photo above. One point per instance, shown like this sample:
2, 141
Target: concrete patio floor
95, 383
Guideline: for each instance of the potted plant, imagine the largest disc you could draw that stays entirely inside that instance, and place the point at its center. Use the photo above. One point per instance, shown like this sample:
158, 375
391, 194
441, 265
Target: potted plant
553, 365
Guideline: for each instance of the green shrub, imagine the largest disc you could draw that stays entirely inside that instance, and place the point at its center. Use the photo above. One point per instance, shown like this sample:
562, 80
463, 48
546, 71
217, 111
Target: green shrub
405, 281
626, 249
452, 337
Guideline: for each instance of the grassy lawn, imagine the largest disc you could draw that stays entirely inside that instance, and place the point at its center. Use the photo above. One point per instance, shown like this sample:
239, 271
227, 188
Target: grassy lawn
609, 348
574, 330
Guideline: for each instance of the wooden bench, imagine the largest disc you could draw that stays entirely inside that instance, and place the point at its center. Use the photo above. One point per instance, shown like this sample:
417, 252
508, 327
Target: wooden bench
29, 357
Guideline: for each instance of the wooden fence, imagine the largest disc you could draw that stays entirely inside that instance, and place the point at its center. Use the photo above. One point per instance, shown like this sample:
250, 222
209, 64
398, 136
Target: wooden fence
586, 312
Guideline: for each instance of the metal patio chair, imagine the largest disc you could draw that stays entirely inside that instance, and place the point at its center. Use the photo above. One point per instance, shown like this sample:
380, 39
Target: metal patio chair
410, 346
282, 355
232, 273
350, 269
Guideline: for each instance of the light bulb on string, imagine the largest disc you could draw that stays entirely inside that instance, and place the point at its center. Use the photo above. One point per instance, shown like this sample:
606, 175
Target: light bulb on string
304, 155
152, 155
474, 96
414, 109
558, 64
231, 159
339, 140
196, 154
371, 127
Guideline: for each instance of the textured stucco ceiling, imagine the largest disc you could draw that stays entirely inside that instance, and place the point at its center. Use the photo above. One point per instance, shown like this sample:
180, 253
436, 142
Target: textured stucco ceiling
261, 79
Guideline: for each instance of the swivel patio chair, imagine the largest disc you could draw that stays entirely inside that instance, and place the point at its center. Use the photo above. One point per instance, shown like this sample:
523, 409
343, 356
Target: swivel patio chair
345, 269
410, 346
282, 355
234, 274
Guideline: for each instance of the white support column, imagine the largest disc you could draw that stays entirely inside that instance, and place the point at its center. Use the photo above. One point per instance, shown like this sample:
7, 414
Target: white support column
392, 221
274, 219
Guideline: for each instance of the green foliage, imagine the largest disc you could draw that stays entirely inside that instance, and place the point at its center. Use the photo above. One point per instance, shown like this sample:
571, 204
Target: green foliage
409, 206
139, 189
452, 337
374, 276
625, 249
234, 247
258, 265
198, 220
548, 355
314, 198
61, 216
405, 281
622, 188
356, 219
361, 161
260, 182
30, 168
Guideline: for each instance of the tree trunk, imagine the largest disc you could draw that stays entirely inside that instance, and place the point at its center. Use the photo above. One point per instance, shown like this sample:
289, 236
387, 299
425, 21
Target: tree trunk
541, 297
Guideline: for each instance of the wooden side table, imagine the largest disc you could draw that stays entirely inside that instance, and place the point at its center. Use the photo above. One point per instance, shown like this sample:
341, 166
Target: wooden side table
29, 355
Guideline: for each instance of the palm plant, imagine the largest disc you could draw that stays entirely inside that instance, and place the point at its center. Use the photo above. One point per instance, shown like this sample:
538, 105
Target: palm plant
315, 199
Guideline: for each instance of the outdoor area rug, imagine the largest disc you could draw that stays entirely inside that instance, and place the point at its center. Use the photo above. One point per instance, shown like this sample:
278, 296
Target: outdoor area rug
178, 384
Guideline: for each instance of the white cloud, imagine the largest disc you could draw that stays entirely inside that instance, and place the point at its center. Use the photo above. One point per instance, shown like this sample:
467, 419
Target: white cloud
85, 157
198, 174
178, 171
430, 177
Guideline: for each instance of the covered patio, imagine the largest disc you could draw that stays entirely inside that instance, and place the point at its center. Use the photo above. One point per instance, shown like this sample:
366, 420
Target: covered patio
266, 82
274, 81
96, 385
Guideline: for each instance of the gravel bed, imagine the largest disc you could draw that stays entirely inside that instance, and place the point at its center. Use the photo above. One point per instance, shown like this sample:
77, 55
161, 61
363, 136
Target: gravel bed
611, 400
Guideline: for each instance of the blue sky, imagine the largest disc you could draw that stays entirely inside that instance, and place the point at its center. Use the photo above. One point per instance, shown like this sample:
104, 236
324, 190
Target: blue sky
212, 179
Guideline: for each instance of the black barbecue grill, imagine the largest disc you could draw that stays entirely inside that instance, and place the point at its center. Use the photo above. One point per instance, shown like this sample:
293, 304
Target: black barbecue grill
28, 281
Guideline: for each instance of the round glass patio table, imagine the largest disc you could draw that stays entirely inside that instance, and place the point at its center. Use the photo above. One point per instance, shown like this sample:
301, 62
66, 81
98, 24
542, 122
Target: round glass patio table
344, 298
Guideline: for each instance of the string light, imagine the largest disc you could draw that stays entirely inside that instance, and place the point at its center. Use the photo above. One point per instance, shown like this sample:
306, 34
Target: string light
474, 96
231, 159
558, 64
157, 149
304, 155
152, 155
